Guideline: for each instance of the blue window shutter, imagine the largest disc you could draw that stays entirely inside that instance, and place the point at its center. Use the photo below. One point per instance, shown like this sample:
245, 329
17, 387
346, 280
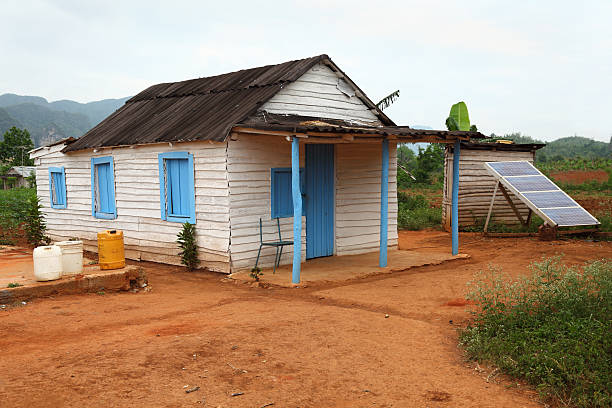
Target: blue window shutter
281, 197
103, 188
57, 187
177, 192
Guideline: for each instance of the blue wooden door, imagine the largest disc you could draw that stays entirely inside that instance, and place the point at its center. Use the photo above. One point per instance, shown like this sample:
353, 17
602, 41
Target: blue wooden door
319, 200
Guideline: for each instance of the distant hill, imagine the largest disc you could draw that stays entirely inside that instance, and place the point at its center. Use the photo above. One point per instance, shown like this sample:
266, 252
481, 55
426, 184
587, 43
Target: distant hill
566, 147
51, 121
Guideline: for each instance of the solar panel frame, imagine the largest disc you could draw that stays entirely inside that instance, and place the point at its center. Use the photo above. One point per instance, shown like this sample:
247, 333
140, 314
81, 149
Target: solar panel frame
539, 210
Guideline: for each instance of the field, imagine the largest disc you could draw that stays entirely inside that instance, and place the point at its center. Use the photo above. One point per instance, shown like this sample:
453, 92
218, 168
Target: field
326, 345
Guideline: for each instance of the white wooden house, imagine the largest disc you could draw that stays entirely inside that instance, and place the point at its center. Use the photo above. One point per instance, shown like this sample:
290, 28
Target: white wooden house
224, 151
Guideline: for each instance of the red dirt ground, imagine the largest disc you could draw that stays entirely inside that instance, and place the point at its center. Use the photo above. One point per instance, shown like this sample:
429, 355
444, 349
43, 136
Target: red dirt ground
327, 345
579, 176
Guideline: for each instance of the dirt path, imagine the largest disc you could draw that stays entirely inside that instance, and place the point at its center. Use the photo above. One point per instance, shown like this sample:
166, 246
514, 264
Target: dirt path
323, 346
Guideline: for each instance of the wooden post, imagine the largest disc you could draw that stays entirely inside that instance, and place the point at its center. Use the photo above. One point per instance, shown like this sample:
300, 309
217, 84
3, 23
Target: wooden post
490, 208
297, 210
455, 199
509, 200
384, 204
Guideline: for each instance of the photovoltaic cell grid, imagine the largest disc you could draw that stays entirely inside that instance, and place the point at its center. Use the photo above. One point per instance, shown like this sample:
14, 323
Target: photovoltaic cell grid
541, 194
519, 168
531, 183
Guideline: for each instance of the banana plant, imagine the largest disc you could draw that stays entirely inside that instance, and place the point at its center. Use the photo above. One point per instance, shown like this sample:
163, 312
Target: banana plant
459, 119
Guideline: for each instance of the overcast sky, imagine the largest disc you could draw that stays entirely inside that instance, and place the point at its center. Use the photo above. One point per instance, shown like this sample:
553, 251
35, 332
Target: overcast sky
543, 68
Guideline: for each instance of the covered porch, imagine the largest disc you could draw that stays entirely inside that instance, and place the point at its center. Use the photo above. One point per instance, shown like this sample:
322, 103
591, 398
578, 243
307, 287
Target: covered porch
304, 132
348, 267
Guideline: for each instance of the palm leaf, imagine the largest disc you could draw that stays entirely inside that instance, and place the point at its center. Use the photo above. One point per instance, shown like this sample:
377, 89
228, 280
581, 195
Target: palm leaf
385, 102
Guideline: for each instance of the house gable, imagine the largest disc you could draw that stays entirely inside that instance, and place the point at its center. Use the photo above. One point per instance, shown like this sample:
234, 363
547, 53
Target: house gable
323, 93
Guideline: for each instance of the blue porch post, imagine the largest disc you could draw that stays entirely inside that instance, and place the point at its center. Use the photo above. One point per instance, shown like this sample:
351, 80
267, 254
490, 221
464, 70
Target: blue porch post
455, 199
297, 209
384, 204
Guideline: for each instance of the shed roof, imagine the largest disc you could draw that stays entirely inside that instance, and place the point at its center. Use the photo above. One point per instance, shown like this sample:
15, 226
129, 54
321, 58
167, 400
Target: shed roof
23, 171
312, 125
506, 147
200, 109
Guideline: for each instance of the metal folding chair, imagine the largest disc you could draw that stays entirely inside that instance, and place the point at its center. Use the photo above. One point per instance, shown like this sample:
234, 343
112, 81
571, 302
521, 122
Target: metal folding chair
276, 244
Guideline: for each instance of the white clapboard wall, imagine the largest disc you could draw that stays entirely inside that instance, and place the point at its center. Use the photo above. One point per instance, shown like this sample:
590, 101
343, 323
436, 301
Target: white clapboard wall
147, 237
476, 188
319, 93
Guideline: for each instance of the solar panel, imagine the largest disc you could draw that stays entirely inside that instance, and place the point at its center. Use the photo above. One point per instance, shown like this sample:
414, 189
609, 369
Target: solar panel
565, 217
531, 183
540, 194
518, 168
550, 199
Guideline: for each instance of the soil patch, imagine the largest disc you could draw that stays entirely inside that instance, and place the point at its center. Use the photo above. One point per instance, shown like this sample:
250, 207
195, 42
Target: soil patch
387, 340
579, 176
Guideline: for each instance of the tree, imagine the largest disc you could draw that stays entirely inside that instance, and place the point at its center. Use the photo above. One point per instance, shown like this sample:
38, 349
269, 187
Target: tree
15, 146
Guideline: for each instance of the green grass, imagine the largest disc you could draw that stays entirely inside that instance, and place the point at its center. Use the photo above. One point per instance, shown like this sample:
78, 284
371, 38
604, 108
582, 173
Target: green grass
551, 329
13, 206
415, 212
14, 285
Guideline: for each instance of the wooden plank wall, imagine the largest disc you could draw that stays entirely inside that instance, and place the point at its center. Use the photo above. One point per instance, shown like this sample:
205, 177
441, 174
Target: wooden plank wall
358, 168
476, 188
357, 186
147, 237
316, 94
249, 160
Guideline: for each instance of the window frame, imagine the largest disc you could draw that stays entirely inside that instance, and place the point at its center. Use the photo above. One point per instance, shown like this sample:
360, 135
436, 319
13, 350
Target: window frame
274, 212
63, 191
163, 188
98, 214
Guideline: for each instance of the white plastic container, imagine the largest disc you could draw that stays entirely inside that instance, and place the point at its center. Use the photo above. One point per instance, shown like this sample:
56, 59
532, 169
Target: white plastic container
47, 263
72, 257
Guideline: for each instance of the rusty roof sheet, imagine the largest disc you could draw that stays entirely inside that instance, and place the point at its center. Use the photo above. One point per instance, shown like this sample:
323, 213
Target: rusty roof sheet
196, 109
313, 125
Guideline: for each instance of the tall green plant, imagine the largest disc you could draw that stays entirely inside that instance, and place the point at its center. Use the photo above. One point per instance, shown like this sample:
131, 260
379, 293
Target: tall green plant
35, 224
189, 248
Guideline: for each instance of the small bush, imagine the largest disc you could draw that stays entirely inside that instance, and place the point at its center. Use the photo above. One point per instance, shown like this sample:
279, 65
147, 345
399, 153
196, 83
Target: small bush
415, 213
551, 329
189, 249
35, 224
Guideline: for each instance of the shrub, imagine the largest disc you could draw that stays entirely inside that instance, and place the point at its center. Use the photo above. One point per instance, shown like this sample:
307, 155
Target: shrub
551, 329
35, 224
189, 249
415, 213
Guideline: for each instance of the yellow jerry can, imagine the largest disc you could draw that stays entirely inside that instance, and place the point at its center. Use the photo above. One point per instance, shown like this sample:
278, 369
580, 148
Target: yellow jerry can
111, 254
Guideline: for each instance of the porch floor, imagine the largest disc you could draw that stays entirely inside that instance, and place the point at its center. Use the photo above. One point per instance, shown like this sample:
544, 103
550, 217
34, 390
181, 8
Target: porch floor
347, 267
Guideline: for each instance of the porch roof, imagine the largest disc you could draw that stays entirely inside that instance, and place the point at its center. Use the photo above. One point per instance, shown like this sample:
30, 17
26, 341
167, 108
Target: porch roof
289, 125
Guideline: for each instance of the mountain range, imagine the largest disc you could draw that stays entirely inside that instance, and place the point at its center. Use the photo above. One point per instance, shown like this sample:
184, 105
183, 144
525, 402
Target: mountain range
50, 121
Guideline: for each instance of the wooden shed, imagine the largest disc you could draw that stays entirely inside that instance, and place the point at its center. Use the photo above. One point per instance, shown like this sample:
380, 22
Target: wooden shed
17, 177
298, 142
476, 184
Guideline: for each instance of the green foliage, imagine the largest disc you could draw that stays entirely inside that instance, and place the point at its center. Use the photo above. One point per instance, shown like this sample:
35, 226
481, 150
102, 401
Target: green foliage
415, 212
12, 212
15, 146
14, 285
551, 329
458, 118
35, 224
189, 249
574, 147
427, 167
388, 100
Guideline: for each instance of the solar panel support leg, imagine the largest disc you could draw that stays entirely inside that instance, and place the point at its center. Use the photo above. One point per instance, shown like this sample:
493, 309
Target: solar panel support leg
509, 200
490, 208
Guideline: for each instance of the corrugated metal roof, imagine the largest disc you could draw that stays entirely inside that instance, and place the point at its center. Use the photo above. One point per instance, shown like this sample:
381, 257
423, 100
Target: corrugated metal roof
305, 124
23, 171
197, 109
